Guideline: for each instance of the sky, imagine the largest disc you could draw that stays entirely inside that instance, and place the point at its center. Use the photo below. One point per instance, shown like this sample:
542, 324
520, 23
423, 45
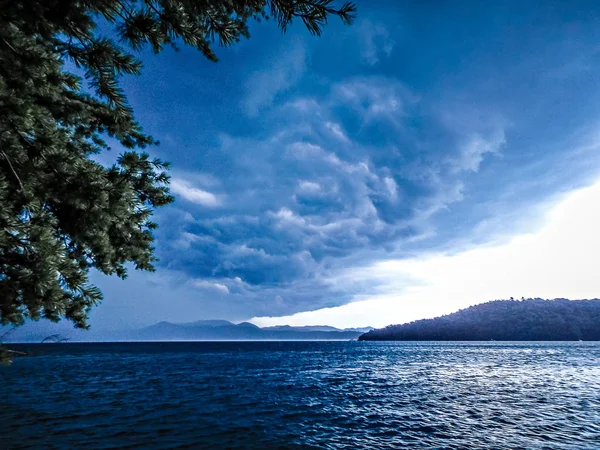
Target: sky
432, 156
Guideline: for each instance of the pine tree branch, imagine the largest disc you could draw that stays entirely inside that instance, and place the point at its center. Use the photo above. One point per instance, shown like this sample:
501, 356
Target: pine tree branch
10, 46
12, 169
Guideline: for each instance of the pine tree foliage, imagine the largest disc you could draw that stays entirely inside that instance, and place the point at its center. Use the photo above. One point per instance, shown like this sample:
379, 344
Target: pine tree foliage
61, 212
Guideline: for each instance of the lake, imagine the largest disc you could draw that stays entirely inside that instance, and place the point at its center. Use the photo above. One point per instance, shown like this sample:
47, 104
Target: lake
321, 395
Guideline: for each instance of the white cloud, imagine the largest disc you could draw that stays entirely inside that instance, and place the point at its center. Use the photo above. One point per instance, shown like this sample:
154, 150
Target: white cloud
337, 131
375, 97
558, 260
375, 42
186, 239
308, 187
304, 105
263, 86
288, 217
392, 188
205, 284
299, 150
476, 147
193, 194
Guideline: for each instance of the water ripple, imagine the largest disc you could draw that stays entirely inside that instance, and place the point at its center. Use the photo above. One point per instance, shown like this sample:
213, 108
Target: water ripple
325, 395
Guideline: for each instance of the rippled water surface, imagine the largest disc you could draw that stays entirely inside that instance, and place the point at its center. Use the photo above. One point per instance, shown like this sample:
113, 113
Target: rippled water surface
303, 395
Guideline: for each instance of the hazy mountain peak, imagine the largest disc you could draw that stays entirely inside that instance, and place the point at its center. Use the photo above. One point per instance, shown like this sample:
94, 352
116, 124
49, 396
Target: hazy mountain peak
207, 323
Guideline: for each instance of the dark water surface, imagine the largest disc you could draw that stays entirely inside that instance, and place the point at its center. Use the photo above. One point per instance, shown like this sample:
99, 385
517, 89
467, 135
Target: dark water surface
303, 395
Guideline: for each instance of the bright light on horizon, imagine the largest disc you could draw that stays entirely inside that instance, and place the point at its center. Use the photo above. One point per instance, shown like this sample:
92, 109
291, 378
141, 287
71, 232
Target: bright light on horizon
556, 261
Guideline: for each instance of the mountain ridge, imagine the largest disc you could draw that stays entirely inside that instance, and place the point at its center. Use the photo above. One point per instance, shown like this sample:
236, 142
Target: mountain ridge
201, 330
242, 331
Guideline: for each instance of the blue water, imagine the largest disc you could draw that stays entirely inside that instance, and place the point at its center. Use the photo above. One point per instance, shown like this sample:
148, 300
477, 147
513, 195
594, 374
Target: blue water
325, 395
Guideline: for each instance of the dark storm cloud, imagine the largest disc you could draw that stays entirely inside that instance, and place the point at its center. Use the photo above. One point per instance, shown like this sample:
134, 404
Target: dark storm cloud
314, 191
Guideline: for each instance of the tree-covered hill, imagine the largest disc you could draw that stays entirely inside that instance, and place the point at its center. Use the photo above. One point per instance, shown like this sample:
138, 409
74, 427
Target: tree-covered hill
504, 320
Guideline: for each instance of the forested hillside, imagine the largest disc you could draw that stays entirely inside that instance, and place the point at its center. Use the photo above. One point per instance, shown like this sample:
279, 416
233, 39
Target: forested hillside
504, 320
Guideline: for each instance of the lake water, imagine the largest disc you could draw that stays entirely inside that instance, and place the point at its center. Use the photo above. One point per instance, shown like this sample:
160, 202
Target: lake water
322, 395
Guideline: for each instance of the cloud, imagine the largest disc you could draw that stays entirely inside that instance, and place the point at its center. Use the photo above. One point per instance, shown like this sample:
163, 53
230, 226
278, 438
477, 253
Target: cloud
204, 284
474, 149
375, 42
308, 187
375, 97
392, 188
263, 86
359, 170
337, 131
146, 298
187, 191
557, 260
301, 205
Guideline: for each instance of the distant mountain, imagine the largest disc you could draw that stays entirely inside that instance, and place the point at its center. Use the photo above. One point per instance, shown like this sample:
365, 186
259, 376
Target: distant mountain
317, 328
360, 330
207, 323
201, 330
504, 320
243, 331
304, 328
